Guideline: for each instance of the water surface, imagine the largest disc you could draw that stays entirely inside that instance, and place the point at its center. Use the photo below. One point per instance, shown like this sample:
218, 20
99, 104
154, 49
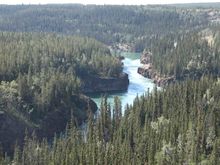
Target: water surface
138, 84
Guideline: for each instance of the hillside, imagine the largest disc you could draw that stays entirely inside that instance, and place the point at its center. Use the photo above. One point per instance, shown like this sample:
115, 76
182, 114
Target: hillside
109, 24
182, 56
179, 125
52, 55
42, 80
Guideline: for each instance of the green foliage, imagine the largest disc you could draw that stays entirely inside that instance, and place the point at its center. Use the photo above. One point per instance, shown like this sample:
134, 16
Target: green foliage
42, 73
108, 24
42, 77
47, 54
184, 56
183, 132
47, 69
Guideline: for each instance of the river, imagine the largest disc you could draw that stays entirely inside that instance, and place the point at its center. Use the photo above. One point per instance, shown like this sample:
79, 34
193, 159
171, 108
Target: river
138, 85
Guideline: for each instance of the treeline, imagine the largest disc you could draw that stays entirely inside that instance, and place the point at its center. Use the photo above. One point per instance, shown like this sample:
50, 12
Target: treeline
179, 125
108, 24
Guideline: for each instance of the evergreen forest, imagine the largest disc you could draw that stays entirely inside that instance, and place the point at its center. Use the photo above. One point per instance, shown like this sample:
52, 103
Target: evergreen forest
52, 55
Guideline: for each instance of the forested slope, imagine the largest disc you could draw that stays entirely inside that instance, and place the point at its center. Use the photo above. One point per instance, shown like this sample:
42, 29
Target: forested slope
183, 55
179, 125
43, 69
42, 79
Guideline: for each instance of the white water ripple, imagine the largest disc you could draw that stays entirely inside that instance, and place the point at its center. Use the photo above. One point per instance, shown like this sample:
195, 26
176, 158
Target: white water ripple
138, 85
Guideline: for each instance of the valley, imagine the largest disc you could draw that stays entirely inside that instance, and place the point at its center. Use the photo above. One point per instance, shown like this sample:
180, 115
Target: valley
110, 84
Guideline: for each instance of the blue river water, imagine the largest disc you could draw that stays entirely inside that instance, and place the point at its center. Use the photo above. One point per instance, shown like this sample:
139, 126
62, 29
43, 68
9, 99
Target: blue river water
138, 84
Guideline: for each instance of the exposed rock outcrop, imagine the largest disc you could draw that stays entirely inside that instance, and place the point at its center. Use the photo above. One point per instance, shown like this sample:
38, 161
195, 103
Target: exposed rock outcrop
122, 47
146, 58
110, 84
147, 71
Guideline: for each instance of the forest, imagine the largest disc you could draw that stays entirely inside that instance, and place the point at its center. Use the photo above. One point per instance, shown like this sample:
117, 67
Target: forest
48, 53
189, 55
179, 125
42, 75
108, 24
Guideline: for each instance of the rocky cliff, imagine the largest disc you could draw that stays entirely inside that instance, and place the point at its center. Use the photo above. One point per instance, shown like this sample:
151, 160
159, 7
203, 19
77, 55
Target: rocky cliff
148, 71
14, 126
55, 121
110, 84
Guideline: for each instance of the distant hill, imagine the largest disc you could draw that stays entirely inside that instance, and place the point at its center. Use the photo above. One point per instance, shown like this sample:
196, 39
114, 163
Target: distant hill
108, 24
198, 5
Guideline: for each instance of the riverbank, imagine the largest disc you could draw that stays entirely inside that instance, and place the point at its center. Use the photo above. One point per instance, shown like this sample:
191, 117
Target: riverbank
105, 84
148, 71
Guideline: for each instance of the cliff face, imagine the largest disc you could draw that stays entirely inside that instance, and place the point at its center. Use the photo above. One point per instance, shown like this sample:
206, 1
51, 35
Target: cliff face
98, 84
147, 71
14, 126
12, 131
56, 120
